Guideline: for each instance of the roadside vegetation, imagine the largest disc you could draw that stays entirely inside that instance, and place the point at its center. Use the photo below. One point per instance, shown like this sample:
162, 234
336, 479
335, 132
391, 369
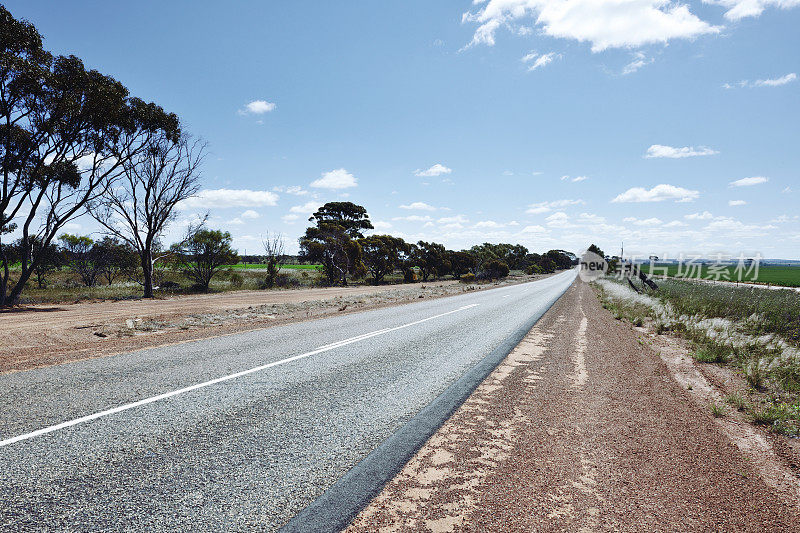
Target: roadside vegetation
754, 331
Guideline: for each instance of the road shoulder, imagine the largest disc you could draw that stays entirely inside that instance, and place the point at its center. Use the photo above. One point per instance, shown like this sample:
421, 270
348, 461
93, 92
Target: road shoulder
583, 425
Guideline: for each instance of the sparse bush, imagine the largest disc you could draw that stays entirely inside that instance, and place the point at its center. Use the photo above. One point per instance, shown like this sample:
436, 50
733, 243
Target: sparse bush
738, 400
754, 374
717, 410
469, 277
781, 416
287, 281
710, 353
236, 280
169, 286
202, 253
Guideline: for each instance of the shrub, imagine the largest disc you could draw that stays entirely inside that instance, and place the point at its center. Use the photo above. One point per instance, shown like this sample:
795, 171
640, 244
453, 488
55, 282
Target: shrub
711, 354
469, 277
533, 269
287, 281
236, 280
754, 374
496, 269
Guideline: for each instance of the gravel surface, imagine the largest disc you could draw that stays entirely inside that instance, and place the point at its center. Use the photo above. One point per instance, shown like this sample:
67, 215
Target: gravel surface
250, 452
583, 428
42, 335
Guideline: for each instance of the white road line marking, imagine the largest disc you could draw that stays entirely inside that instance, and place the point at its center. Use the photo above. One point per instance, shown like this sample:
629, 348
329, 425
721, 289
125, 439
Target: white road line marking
208, 383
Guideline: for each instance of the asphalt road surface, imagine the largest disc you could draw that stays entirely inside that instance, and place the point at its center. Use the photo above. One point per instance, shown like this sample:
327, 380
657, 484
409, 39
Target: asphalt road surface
244, 431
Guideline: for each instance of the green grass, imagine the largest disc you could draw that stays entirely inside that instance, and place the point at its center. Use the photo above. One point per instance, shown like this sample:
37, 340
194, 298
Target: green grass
717, 410
786, 276
739, 401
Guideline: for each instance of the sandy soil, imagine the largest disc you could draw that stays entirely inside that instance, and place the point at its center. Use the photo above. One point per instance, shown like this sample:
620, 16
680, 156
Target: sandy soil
40, 335
587, 426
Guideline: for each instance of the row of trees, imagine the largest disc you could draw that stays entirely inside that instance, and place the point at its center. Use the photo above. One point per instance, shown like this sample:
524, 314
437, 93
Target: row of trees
199, 257
337, 242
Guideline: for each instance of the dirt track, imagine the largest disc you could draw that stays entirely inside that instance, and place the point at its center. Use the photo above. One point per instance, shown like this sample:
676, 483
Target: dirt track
584, 428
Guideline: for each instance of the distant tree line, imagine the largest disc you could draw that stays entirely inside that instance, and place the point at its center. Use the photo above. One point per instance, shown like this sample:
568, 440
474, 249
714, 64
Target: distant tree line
337, 242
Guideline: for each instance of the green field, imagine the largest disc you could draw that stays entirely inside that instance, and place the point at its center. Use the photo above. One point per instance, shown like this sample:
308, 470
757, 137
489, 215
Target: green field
256, 266
787, 276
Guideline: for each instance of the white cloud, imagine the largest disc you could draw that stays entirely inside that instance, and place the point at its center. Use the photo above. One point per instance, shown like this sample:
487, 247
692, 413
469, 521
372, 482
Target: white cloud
659, 150
604, 24
739, 9
257, 107
293, 189
249, 214
538, 61
675, 224
643, 222
734, 228
533, 229
458, 219
305, 209
418, 206
381, 225
783, 80
435, 170
639, 60
577, 179
335, 179
768, 82
659, 193
414, 218
705, 215
289, 218
748, 182
559, 219
545, 207
736, 202
782, 219
491, 224
221, 198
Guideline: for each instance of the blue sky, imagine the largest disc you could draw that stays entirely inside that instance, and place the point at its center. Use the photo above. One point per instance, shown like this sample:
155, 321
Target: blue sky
552, 123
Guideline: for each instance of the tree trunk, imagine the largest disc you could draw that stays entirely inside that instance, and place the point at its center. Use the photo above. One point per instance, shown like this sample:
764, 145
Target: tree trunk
147, 273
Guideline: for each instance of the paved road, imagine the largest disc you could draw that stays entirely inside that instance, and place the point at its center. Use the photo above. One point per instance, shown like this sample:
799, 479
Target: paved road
242, 431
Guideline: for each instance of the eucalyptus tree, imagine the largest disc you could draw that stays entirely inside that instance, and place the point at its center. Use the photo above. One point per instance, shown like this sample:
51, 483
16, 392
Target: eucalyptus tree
66, 135
143, 202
